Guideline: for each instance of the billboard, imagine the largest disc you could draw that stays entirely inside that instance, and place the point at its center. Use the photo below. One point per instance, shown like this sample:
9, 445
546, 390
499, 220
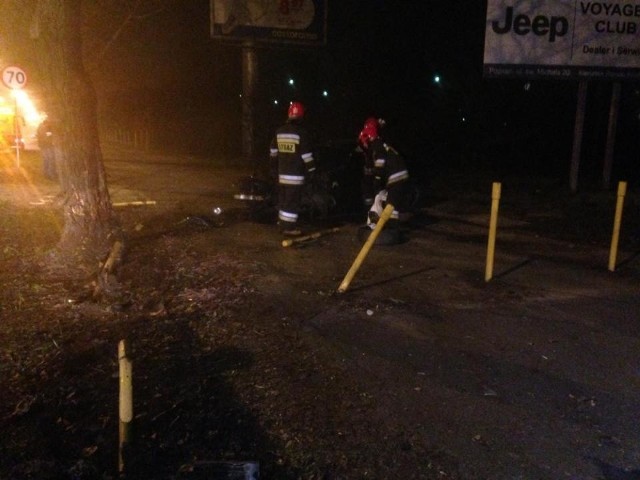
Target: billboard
566, 39
280, 21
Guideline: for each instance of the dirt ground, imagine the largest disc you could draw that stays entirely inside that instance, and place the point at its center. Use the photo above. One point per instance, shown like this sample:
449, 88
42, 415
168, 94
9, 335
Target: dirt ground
243, 351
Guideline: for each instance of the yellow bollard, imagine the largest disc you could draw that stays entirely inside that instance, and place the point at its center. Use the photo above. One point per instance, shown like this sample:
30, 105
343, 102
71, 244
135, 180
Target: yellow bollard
384, 217
613, 253
493, 225
125, 404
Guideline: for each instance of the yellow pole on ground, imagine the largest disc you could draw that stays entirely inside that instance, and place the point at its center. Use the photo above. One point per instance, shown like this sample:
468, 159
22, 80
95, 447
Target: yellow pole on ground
135, 203
125, 404
312, 236
493, 225
613, 253
384, 217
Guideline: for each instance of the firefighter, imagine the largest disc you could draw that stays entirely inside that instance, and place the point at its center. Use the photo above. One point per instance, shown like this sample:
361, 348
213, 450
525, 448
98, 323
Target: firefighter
367, 184
391, 177
292, 158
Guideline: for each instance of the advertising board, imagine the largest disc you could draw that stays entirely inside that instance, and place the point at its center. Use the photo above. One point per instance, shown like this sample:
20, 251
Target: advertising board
565, 39
279, 21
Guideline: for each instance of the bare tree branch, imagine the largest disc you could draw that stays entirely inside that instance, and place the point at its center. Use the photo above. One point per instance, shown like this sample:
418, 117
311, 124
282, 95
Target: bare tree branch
136, 11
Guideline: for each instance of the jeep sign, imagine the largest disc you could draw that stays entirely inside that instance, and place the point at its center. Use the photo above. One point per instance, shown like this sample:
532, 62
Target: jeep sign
563, 39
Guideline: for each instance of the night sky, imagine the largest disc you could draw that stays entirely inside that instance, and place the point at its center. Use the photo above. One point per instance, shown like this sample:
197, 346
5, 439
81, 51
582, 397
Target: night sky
380, 59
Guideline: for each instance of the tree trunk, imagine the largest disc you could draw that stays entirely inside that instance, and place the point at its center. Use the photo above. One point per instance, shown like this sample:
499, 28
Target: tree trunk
90, 226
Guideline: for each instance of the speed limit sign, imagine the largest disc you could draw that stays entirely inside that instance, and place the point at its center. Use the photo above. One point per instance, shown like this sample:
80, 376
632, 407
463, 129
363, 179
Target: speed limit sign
14, 77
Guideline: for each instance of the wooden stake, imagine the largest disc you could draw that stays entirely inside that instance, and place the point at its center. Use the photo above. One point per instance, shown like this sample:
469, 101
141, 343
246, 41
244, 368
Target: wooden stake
125, 404
115, 257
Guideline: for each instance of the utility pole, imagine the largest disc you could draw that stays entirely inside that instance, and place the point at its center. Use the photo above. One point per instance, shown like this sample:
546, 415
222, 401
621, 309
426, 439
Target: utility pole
249, 82
611, 136
577, 135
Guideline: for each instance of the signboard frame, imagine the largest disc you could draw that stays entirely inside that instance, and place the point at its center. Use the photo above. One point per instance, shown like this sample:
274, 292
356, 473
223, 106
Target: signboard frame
297, 22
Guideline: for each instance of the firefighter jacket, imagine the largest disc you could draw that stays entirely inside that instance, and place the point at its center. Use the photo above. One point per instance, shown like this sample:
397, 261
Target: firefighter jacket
291, 154
389, 166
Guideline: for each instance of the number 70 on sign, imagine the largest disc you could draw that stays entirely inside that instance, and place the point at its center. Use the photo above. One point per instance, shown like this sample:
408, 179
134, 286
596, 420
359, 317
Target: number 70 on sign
14, 77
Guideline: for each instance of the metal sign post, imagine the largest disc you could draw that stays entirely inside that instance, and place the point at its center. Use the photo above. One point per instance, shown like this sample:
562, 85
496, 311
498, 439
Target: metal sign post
250, 24
16, 131
15, 78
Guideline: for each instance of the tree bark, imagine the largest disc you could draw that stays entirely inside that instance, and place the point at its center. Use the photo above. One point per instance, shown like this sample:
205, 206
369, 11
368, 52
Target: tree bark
90, 225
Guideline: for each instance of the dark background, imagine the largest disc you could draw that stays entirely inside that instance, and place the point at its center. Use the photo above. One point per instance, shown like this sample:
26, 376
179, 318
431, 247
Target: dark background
164, 75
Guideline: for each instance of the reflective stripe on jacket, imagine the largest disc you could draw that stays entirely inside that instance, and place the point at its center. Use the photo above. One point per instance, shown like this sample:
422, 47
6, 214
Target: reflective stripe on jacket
389, 166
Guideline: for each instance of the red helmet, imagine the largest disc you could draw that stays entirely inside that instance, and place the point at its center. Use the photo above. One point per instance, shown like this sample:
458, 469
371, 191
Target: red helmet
369, 131
296, 110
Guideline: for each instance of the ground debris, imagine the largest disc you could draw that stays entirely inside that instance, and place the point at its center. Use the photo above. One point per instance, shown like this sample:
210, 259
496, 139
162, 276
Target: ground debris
242, 350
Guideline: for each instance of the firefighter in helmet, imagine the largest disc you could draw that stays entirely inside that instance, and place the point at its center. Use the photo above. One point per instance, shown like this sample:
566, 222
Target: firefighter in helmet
368, 184
390, 174
292, 158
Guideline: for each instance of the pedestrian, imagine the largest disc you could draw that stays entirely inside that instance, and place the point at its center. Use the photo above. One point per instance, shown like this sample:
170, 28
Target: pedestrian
44, 136
291, 157
390, 174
